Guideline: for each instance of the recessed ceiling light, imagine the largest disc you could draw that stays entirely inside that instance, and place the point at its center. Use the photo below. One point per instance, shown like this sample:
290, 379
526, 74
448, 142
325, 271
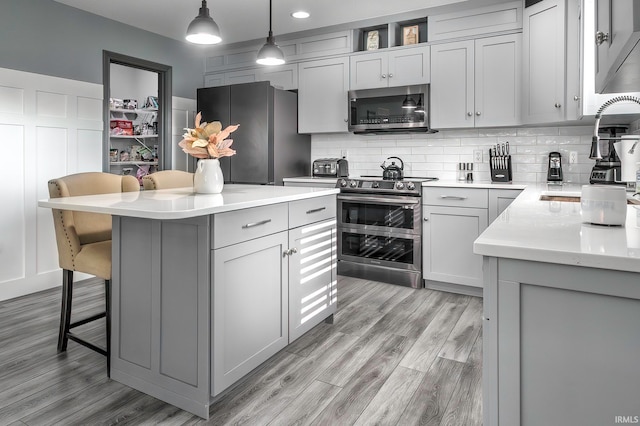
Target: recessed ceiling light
300, 14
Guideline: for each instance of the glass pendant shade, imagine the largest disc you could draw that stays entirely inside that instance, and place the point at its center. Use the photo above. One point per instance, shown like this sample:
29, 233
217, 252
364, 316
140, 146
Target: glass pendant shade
409, 103
203, 29
270, 53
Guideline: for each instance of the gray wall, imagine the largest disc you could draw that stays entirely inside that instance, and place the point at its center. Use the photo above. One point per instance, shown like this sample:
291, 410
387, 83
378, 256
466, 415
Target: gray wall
46, 37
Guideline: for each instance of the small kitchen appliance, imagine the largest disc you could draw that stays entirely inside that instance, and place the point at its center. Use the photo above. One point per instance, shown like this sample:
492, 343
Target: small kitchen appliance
628, 151
392, 171
604, 205
330, 167
554, 172
608, 169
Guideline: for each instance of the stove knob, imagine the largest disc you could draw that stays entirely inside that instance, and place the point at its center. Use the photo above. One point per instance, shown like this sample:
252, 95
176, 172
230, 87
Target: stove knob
399, 185
343, 183
375, 185
353, 184
411, 186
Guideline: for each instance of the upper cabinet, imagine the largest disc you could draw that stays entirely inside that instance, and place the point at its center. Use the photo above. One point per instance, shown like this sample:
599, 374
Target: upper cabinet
322, 95
282, 77
544, 34
476, 83
398, 67
616, 35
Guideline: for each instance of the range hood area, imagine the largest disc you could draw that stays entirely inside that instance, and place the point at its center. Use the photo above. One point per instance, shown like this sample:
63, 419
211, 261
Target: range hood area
402, 109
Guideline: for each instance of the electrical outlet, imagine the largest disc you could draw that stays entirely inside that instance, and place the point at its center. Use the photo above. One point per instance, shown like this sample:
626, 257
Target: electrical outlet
344, 153
573, 157
477, 156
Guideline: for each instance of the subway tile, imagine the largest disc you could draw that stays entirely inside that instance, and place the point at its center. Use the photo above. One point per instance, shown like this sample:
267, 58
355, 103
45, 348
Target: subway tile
462, 133
428, 150
535, 131
478, 141
497, 132
575, 130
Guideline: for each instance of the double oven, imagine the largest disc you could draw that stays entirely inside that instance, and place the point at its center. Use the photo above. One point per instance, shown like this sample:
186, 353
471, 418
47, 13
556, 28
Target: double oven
380, 230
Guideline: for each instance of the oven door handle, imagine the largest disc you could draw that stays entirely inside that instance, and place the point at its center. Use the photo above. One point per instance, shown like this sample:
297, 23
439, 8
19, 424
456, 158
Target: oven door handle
381, 200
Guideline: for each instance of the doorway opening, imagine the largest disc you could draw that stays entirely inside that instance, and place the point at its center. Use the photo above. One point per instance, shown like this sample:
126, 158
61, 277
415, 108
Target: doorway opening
136, 115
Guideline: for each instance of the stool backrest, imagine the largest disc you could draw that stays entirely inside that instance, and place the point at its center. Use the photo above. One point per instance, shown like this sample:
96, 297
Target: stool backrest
74, 228
167, 179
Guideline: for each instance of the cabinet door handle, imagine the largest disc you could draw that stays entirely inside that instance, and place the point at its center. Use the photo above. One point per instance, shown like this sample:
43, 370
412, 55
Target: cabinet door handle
470, 114
557, 105
390, 75
576, 98
293, 250
426, 219
452, 197
601, 37
478, 112
285, 253
384, 76
316, 210
254, 224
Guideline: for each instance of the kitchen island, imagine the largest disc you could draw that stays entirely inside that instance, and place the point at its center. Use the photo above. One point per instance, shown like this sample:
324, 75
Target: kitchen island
561, 315
206, 287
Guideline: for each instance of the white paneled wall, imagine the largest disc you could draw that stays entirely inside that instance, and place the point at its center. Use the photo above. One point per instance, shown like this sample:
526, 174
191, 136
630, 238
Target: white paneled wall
183, 115
438, 154
49, 127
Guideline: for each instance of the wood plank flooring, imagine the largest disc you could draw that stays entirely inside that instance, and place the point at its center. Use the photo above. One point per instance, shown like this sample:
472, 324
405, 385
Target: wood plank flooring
394, 356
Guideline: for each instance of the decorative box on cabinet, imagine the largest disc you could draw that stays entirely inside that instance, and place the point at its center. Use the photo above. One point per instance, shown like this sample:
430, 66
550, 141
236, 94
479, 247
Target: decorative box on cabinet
398, 67
476, 83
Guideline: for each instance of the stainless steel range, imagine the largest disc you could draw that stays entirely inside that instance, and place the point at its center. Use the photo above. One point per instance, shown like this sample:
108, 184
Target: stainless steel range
380, 229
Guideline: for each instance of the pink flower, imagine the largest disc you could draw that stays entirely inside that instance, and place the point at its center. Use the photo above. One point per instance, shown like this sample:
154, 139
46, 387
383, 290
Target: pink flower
208, 140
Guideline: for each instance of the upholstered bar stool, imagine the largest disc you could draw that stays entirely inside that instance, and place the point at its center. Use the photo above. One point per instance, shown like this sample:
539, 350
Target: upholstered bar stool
166, 179
84, 245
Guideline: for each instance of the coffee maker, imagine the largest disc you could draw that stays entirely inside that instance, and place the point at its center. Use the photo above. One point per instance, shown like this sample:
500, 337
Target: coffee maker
608, 169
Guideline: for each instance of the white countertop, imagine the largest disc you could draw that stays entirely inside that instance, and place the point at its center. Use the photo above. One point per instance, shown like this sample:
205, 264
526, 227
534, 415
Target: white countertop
183, 202
552, 231
307, 179
477, 184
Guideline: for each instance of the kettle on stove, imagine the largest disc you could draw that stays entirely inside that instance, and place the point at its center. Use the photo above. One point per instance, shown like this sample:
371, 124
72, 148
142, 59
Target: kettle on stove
392, 172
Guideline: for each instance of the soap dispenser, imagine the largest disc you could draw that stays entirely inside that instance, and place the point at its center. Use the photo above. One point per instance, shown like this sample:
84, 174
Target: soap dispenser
554, 172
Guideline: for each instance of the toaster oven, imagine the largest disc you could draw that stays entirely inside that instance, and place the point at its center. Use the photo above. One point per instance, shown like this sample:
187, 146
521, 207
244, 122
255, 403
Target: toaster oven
331, 167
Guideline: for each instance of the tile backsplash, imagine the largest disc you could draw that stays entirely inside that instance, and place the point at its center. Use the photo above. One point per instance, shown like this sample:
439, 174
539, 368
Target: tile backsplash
439, 153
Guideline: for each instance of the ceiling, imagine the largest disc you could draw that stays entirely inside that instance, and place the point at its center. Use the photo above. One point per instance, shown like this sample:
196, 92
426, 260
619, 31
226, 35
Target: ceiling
243, 20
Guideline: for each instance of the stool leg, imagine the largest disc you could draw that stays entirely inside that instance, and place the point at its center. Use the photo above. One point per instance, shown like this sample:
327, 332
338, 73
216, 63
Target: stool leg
107, 294
65, 313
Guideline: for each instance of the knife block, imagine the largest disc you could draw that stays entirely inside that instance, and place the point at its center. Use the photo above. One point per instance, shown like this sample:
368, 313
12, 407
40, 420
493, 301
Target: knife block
501, 170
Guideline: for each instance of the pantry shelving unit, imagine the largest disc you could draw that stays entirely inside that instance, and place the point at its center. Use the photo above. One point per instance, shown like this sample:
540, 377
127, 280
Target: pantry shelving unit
140, 118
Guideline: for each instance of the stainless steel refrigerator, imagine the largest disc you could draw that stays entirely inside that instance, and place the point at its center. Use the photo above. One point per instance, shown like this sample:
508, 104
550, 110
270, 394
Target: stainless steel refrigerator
268, 146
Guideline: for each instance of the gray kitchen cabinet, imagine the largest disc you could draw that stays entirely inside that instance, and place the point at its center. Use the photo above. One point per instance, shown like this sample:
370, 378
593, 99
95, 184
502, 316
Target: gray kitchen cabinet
560, 344
312, 280
322, 95
282, 77
616, 35
499, 200
452, 220
543, 76
251, 275
476, 83
312, 260
398, 67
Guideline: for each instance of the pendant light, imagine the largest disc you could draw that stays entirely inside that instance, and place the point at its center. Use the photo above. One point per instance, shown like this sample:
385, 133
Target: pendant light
408, 103
270, 53
203, 29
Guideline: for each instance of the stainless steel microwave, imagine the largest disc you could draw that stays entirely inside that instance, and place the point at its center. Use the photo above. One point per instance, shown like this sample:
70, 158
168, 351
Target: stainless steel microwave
391, 109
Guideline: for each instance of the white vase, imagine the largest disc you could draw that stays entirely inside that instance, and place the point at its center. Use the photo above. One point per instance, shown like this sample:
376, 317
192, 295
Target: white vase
208, 178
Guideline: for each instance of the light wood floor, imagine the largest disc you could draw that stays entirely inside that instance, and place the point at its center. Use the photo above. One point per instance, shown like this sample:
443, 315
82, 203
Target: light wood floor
394, 356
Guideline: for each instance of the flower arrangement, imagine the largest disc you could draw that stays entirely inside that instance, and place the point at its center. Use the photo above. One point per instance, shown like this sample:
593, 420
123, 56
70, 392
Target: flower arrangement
208, 140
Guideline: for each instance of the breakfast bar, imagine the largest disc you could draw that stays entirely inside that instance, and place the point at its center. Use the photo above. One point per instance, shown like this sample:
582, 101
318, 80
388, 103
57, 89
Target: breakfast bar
561, 313
206, 287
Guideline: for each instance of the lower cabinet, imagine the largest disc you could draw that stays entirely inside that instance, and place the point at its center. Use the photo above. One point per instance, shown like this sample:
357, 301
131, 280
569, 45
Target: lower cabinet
312, 276
499, 200
447, 248
249, 307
